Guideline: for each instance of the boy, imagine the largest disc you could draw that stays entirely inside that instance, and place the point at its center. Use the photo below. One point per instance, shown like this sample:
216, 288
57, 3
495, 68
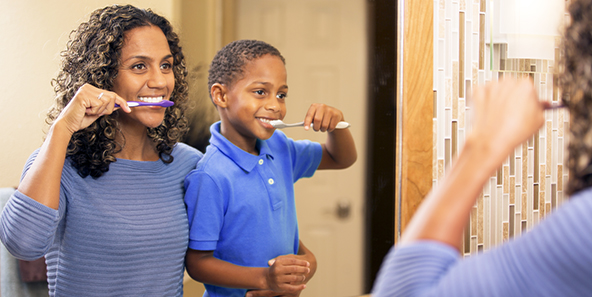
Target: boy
240, 199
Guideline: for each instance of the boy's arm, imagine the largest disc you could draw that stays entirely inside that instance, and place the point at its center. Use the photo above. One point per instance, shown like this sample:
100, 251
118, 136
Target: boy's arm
303, 253
339, 151
310, 257
204, 267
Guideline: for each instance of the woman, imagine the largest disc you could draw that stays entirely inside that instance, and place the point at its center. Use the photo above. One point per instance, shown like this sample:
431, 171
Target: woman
102, 198
552, 259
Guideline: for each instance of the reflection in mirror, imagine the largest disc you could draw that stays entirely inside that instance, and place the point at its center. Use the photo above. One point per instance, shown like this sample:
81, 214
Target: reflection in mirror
480, 41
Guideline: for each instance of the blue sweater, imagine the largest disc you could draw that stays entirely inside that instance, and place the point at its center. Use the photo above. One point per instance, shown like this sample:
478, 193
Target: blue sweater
553, 259
122, 234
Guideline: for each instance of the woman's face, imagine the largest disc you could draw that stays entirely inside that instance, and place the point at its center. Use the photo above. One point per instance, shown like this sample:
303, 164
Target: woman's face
145, 74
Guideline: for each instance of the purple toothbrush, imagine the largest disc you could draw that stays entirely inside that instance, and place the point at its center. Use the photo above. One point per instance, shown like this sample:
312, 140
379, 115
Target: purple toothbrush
163, 103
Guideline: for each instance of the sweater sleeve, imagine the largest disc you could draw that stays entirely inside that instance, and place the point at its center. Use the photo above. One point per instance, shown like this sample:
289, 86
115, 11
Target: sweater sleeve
552, 259
27, 227
413, 269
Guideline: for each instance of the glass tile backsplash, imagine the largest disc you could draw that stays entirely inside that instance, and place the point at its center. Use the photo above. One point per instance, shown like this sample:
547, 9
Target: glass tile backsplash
529, 185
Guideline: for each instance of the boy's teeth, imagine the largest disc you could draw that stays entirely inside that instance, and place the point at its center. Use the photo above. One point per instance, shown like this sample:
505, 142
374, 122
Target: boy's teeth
264, 120
151, 99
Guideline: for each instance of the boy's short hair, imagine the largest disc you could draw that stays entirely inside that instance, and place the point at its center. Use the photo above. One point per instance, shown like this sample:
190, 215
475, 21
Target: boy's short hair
227, 66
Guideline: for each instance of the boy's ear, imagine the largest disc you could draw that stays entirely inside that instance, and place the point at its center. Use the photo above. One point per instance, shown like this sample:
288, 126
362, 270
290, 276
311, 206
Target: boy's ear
218, 93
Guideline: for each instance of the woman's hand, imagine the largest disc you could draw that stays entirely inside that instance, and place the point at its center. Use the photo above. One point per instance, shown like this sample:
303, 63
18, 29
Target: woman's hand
87, 105
42, 181
507, 113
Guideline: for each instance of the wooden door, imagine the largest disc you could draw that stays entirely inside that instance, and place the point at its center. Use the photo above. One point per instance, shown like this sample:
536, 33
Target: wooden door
324, 44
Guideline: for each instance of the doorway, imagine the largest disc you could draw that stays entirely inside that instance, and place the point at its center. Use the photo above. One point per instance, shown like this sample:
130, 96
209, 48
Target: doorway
324, 43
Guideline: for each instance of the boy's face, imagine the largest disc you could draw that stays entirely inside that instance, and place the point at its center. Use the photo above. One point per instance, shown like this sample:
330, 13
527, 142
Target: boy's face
254, 100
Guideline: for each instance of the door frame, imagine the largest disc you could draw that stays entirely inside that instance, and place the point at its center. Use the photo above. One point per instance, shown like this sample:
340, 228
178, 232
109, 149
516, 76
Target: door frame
382, 116
400, 121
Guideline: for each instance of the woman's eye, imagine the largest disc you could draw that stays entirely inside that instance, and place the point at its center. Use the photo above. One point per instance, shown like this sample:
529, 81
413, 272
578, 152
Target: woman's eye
139, 66
166, 66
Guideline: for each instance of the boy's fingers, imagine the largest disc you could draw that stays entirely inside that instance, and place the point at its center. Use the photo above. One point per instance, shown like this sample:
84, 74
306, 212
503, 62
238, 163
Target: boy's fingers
290, 271
261, 293
291, 260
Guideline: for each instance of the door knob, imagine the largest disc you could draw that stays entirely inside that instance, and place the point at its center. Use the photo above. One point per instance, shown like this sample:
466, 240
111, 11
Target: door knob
343, 209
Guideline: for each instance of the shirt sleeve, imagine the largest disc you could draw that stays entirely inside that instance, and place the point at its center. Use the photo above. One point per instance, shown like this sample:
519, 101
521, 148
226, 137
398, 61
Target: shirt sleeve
552, 259
27, 227
205, 211
307, 157
413, 269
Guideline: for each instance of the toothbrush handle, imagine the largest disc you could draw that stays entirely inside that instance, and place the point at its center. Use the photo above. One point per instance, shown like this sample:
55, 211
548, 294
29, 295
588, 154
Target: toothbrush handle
340, 125
163, 103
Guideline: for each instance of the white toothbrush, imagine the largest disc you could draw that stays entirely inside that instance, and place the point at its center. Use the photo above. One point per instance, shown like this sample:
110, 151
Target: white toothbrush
279, 124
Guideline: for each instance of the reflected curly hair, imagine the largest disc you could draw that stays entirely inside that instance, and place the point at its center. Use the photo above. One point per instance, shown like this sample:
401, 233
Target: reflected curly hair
92, 56
575, 81
227, 66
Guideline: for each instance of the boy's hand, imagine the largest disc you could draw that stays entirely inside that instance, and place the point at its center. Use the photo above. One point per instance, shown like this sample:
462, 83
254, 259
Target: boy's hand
287, 274
270, 293
323, 117
273, 293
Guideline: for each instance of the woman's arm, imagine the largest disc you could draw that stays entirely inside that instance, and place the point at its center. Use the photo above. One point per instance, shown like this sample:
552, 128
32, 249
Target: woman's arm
42, 180
506, 114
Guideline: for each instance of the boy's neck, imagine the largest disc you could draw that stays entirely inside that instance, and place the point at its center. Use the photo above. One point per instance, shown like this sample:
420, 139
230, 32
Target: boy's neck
246, 144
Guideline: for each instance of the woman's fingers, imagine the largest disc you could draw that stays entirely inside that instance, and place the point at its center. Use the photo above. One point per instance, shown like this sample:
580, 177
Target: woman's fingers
88, 104
507, 112
106, 104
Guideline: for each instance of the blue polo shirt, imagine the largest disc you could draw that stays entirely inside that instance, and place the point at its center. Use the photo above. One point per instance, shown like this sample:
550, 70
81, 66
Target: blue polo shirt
241, 206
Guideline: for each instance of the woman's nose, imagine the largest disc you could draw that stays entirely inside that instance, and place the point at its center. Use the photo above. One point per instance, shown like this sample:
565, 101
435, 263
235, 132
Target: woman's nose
157, 79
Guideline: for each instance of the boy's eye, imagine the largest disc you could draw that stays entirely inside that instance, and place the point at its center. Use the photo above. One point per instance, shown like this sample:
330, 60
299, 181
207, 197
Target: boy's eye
281, 96
260, 92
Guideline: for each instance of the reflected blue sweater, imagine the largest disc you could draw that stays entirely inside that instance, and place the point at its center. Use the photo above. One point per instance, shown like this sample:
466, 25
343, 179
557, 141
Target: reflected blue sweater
553, 259
122, 234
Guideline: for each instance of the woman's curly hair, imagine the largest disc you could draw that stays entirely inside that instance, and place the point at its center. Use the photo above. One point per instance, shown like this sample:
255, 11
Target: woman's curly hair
92, 56
228, 65
575, 82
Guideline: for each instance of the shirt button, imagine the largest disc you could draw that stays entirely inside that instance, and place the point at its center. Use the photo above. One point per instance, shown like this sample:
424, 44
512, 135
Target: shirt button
260, 161
270, 181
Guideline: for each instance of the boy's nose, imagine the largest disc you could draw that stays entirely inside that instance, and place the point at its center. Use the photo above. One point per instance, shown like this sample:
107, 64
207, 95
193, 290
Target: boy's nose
272, 104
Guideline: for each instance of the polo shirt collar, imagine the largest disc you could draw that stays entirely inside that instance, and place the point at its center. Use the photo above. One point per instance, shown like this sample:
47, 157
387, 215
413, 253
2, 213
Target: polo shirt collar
243, 159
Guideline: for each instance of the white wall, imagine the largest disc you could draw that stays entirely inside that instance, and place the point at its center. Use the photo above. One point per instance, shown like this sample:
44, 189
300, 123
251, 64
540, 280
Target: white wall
33, 34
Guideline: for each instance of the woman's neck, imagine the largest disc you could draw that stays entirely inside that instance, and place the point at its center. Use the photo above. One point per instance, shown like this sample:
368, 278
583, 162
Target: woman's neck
136, 145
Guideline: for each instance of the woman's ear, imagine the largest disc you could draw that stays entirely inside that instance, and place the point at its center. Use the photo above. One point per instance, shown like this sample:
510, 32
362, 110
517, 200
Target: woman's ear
218, 93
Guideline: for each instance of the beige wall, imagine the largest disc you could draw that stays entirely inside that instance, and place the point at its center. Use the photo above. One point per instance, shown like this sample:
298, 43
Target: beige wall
33, 33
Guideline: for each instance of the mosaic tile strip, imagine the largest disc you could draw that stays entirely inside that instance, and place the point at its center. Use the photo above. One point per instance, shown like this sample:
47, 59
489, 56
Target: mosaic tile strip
529, 185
